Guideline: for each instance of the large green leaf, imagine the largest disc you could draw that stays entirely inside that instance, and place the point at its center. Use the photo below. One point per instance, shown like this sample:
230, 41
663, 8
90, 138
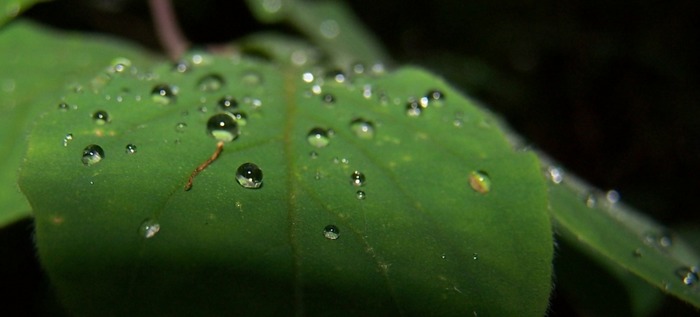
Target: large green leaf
449, 220
607, 229
28, 76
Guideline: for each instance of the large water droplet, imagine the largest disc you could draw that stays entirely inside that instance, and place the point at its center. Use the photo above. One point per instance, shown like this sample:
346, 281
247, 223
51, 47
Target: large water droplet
130, 148
362, 128
223, 127
249, 175
92, 154
357, 178
331, 232
211, 82
688, 275
149, 228
163, 94
480, 181
318, 137
227, 103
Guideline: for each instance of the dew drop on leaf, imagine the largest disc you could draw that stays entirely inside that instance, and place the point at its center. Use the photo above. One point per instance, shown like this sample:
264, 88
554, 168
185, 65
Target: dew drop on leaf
328, 98
211, 83
318, 137
240, 117
313, 154
555, 174
307, 77
67, 139
480, 181
227, 103
92, 154
163, 94
249, 175
357, 178
331, 232
223, 127
130, 149
413, 108
337, 76
149, 228
688, 275
252, 78
120, 65
362, 128
63, 106
361, 195
433, 98
181, 67
180, 127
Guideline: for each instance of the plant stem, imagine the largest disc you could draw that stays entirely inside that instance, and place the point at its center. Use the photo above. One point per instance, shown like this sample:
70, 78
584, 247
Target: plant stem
167, 28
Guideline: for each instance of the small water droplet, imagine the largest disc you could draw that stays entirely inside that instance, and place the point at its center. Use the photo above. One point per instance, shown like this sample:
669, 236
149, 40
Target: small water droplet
367, 91
316, 89
337, 76
120, 64
612, 196
357, 178
67, 139
329, 29
413, 108
240, 117
331, 232
688, 275
249, 175
92, 154
328, 98
362, 128
358, 68
63, 106
556, 175
313, 154
211, 82
475, 256
480, 181
590, 201
307, 77
130, 149
252, 78
318, 137
637, 253
434, 98
663, 240
180, 127
361, 195
223, 127
163, 94
181, 67
149, 228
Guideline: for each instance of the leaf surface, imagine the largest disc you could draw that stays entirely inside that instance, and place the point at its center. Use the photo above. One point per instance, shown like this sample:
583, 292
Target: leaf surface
427, 235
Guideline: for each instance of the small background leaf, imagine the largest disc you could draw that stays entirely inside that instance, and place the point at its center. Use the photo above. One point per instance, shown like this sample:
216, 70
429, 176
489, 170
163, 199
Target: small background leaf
29, 80
422, 242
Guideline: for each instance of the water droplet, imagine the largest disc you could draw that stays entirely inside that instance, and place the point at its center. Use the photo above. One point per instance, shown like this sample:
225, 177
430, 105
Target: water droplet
307, 77
612, 196
163, 94
223, 127
433, 98
357, 178
181, 67
120, 64
367, 91
211, 82
688, 275
67, 139
149, 228
180, 127
328, 98
227, 103
313, 154
663, 240
361, 195
63, 106
329, 29
413, 108
337, 76
331, 232
318, 137
130, 148
252, 78
92, 154
556, 175
272, 6
480, 181
637, 253
590, 201
475, 256
362, 128
240, 117
249, 175
358, 68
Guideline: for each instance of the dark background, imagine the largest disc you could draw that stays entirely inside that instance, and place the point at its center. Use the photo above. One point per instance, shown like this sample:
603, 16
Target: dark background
611, 90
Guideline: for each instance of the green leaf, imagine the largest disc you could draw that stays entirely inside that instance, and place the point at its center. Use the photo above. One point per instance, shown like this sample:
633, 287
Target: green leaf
606, 228
27, 84
451, 220
10, 9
